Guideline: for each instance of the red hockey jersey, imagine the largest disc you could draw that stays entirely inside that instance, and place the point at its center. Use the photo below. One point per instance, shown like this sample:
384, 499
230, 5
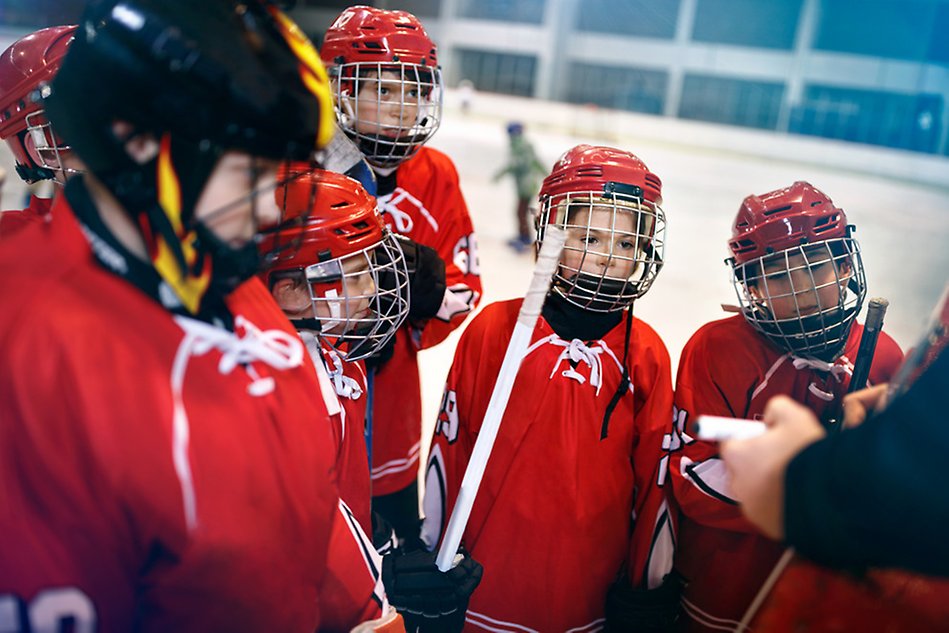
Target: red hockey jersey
343, 385
728, 369
428, 207
13, 220
159, 473
560, 512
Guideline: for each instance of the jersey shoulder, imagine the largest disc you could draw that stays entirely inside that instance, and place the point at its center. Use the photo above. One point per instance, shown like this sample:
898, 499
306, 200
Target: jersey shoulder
494, 320
428, 165
726, 350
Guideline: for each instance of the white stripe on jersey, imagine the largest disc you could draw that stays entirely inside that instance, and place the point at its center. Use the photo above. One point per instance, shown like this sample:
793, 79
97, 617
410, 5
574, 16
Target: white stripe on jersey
436, 498
592, 627
398, 465
484, 622
709, 476
768, 375
708, 620
372, 559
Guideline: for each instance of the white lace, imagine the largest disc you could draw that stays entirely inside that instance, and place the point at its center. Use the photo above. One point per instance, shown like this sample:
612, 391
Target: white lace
402, 220
575, 351
276, 348
838, 371
345, 386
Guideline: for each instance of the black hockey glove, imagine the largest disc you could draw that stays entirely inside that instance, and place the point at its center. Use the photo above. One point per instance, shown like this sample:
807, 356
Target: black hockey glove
426, 279
384, 539
430, 601
648, 611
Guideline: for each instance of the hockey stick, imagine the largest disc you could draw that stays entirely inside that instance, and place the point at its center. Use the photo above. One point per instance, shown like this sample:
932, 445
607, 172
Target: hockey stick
544, 270
876, 309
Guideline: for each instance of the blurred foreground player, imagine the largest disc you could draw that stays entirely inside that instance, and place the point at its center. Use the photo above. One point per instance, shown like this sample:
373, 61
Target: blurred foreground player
166, 456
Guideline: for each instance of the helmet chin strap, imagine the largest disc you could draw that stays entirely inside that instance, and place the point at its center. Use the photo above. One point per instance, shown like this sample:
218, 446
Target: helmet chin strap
307, 323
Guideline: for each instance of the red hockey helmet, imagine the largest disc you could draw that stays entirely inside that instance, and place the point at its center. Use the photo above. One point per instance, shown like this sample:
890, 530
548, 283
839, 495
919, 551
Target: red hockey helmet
387, 81
345, 255
610, 205
797, 271
26, 68
783, 219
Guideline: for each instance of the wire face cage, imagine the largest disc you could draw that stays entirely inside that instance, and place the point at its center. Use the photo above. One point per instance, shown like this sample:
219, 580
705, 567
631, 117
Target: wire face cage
362, 298
388, 109
614, 248
48, 150
804, 299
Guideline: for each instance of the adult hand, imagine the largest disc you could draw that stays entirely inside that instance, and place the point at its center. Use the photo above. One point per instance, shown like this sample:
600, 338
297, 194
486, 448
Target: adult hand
756, 466
859, 404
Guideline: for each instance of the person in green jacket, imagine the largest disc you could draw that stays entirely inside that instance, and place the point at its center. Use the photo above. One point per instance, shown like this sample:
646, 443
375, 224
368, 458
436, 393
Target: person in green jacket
527, 171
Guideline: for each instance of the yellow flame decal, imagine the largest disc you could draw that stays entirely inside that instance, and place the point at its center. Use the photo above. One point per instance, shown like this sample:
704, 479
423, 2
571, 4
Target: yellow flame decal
311, 71
189, 288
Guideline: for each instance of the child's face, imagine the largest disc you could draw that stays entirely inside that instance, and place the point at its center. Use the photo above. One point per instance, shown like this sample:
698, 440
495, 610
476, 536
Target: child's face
237, 200
803, 283
601, 241
336, 309
386, 104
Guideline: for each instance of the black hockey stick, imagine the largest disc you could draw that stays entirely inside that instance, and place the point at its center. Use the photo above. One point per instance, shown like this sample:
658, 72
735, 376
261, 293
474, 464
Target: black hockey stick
876, 310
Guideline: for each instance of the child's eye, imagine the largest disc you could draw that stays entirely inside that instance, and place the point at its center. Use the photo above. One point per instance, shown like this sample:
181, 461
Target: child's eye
626, 245
589, 240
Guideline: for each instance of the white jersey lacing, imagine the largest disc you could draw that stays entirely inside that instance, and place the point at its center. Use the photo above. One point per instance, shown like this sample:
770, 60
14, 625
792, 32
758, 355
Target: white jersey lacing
276, 348
575, 351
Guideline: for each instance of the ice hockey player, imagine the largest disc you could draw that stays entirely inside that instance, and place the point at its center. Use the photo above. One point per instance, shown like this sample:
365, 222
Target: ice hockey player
388, 91
799, 277
26, 68
571, 502
167, 459
345, 288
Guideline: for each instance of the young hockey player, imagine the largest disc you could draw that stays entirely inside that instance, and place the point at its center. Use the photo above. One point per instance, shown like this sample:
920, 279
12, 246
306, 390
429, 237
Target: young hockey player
26, 68
345, 289
799, 277
167, 459
571, 503
388, 91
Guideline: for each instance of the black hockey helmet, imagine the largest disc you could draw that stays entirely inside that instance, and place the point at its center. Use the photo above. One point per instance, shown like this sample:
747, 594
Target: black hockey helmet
203, 77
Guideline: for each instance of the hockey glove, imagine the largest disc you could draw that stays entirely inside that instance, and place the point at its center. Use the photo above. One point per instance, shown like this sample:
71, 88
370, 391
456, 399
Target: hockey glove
430, 601
426, 279
648, 611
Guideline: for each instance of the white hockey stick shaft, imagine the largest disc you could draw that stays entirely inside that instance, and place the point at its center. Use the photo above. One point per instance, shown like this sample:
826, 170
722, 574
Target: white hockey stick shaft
544, 270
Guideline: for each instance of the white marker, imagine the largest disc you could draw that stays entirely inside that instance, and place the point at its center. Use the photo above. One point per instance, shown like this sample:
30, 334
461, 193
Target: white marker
716, 428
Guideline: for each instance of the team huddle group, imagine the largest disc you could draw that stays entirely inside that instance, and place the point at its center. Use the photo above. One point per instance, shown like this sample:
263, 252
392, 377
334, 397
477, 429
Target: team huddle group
211, 413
